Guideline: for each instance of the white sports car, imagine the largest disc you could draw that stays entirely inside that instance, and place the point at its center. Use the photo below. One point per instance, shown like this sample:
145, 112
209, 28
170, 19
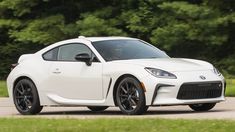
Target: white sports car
99, 72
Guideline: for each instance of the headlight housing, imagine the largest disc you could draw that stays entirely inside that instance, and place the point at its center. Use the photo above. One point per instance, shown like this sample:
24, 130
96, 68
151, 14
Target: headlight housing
216, 71
160, 73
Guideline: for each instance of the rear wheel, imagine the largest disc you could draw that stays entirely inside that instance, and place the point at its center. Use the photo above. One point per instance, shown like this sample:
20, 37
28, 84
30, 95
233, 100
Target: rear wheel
97, 108
202, 107
26, 98
130, 97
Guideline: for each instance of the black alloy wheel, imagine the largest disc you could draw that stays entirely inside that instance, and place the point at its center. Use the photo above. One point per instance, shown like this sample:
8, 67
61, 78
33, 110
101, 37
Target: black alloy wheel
26, 97
130, 97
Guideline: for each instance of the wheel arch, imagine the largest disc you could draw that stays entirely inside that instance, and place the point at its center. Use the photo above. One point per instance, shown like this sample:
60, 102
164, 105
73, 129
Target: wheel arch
119, 79
20, 78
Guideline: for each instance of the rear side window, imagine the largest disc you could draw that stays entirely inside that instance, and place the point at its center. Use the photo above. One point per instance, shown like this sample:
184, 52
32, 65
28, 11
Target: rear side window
51, 55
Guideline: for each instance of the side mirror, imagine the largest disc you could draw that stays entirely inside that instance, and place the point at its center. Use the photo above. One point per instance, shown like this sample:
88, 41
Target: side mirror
84, 57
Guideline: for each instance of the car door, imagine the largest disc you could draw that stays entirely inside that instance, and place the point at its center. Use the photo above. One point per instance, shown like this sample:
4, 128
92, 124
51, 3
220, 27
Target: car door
72, 79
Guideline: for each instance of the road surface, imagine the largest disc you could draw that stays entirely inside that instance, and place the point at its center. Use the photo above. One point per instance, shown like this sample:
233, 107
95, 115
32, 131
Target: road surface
223, 110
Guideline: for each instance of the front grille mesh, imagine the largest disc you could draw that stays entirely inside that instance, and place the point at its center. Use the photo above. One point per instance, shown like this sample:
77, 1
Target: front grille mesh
200, 90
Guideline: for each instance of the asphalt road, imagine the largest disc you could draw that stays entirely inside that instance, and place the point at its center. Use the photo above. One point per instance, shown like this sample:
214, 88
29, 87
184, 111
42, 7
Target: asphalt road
223, 110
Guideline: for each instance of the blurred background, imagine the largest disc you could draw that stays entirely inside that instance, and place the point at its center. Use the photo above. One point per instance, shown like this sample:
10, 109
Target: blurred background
200, 29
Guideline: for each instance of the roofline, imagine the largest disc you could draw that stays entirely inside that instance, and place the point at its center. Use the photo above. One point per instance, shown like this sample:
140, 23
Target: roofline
96, 39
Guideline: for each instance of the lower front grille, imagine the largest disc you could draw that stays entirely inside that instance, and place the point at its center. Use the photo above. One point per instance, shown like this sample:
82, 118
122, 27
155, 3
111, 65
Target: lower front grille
200, 90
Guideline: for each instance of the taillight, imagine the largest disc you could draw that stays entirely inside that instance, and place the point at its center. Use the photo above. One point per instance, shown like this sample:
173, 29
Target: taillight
13, 66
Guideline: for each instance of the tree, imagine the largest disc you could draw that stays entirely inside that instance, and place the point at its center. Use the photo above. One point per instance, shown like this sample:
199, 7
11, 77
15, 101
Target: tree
201, 29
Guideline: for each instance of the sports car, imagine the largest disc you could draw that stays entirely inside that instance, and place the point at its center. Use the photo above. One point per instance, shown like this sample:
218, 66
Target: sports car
102, 72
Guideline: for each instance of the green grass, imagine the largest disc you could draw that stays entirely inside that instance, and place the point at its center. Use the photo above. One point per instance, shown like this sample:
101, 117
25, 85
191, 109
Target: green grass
115, 125
3, 89
230, 90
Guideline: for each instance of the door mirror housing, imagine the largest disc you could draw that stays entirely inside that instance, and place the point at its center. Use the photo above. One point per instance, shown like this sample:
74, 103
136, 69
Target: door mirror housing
84, 57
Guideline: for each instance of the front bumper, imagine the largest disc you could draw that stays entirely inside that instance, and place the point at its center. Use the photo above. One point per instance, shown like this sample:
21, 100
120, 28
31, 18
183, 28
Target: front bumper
160, 91
163, 92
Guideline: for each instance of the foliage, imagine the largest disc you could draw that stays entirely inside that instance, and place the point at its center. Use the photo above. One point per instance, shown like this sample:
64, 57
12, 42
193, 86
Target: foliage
201, 29
94, 26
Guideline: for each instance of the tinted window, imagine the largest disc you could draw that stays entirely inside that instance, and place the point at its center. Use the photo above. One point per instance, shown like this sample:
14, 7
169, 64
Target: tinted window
127, 49
51, 54
69, 51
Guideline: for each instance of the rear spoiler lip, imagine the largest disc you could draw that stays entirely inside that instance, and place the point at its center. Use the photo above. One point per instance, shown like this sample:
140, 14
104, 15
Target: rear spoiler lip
21, 59
24, 57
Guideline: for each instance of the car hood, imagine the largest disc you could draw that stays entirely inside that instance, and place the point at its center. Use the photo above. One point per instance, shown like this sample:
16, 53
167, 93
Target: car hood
170, 64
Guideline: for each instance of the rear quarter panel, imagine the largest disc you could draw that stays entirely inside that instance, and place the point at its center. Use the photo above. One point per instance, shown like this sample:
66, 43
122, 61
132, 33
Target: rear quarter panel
33, 68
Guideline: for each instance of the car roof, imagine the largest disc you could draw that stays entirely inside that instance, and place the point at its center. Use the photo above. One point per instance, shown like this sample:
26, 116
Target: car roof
82, 38
95, 39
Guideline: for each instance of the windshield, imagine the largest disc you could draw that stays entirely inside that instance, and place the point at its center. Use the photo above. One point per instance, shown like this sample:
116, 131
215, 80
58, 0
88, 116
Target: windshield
127, 49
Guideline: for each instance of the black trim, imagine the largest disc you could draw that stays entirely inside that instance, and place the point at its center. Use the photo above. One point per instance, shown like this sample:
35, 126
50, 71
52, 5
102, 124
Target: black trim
13, 66
158, 86
202, 82
55, 54
200, 90
110, 82
225, 84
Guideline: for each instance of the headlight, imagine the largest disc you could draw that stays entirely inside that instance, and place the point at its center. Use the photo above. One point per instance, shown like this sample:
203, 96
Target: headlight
160, 73
216, 71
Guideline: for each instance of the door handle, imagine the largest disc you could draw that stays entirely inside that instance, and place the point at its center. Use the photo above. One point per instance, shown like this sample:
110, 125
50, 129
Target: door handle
57, 71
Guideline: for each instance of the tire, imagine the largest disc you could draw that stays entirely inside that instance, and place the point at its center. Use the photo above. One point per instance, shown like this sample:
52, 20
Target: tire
202, 107
97, 108
26, 98
130, 97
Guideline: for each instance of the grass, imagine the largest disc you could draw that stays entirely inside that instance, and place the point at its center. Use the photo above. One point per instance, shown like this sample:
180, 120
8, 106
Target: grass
3, 89
230, 90
115, 125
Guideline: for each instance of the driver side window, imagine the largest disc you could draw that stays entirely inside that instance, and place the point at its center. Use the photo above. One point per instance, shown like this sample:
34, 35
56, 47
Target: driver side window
69, 51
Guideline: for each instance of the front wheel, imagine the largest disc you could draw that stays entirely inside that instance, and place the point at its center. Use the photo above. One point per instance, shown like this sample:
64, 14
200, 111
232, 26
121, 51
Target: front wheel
26, 98
202, 107
130, 97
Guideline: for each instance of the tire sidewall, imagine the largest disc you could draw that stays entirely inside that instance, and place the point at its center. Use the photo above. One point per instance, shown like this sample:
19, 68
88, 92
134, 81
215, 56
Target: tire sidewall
35, 104
97, 108
203, 107
141, 106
